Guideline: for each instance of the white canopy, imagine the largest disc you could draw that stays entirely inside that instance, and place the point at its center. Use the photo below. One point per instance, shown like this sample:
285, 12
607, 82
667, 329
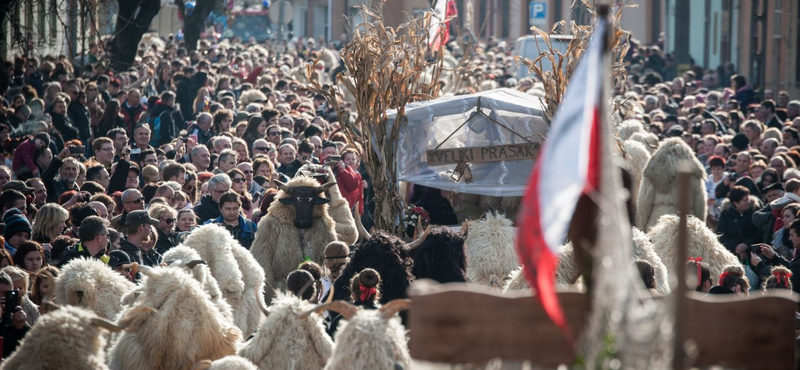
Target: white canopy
516, 118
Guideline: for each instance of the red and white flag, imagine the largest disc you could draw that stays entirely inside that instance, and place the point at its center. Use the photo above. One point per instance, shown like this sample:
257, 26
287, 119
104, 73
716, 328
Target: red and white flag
568, 167
439, 32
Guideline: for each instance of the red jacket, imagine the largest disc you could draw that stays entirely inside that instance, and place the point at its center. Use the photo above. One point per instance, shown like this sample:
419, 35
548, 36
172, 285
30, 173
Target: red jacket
349, 181
130, 116
24, 156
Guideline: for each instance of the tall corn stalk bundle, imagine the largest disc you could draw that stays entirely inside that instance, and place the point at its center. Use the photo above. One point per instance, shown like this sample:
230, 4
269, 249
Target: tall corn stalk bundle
563, 64
387, 68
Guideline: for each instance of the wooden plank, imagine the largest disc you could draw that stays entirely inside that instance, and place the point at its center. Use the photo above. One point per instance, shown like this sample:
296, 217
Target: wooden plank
453, 323
456, 323
756, 333
483, 154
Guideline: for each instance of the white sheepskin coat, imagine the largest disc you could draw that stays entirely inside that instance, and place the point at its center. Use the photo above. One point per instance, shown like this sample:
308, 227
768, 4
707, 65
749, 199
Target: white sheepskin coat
638, 156
368, 341
629, 127
648, 139
173, 326
248, 317
285, 341
232, 363
215, 245
643, 249
102, 288
658, 193
490, 249
62, 339
202, 274
702, 243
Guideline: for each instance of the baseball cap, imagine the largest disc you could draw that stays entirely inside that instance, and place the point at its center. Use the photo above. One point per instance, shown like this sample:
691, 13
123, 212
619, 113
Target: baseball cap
118, 258
17, 185
139, 217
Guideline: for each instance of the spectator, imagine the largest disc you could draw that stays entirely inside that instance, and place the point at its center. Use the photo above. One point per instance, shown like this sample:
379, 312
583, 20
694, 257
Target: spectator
93, 241
208, 207
736, 229
138, 226
166, 217
242, 229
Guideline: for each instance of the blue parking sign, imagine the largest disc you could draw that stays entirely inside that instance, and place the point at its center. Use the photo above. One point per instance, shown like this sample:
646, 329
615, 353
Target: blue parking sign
538, 13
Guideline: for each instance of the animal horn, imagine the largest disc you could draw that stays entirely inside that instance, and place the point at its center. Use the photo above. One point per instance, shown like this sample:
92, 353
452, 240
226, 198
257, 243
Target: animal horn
282, 186
194, 263
261, 305
360, 226
303, 289
50, 306
344, 308
388, 310
133, 266
105, 324
146, 270
417, 242
325, 187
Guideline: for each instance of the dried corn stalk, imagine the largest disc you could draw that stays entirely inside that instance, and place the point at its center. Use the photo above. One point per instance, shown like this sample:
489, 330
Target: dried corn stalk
387, 68
564, 64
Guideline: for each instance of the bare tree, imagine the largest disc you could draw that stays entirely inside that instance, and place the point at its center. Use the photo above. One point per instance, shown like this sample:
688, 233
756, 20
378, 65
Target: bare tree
133, 20
193, 24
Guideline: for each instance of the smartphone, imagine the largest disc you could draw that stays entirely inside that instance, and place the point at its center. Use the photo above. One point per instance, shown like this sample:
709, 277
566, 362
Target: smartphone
755, 248
77, 150
334, 158
12, 301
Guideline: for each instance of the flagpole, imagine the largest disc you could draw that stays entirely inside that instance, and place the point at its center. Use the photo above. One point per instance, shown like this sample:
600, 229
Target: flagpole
679, 354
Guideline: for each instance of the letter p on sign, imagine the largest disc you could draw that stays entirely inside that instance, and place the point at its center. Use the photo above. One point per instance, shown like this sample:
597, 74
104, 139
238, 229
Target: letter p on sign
538, 13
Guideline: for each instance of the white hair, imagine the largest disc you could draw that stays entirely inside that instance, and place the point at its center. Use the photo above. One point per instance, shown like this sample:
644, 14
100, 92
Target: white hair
219, 179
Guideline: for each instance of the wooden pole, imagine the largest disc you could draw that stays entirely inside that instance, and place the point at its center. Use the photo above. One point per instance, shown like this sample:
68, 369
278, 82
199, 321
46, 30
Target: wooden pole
679, 356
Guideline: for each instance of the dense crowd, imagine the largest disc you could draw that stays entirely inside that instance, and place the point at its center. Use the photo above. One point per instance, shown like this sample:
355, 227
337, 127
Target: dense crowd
120, 166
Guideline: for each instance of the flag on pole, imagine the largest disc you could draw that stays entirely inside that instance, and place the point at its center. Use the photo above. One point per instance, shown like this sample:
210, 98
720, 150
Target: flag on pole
439, 32
568, 167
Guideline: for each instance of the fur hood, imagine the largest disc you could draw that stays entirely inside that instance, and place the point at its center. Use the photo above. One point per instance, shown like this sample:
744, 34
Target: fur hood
662, 169
756, 203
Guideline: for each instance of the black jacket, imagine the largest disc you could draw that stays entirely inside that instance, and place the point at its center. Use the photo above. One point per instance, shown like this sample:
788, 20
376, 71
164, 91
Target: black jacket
11, 337
149, 258
78, 251
207, 209
165, 242
167, 129
55, 188
79, 115
64, 126
735, 228
119, 178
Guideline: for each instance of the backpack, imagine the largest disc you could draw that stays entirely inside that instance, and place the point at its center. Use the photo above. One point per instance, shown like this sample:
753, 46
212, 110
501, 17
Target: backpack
155, 128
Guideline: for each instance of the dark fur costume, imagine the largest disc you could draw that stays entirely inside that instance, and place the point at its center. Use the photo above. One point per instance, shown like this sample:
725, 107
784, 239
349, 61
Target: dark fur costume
386, 254
441, 257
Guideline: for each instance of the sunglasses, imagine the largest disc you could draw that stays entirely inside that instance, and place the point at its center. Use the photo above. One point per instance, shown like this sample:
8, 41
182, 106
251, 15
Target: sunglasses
247, 172
238, 180
170, 221
261, 148
135, 201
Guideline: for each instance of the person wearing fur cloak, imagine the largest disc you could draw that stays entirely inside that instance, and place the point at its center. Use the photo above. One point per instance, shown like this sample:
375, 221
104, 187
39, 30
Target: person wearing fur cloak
658, 193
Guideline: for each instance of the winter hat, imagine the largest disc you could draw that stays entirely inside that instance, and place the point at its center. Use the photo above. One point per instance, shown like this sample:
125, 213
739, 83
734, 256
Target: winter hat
118, 258
16, 222
740, 141
43, 136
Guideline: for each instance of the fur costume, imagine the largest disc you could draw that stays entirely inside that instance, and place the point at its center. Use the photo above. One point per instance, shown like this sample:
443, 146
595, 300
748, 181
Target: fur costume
251, 96
339, 210
286, 340
638, 156
91, 284
643, 249
68, 338
629, 127
389, 257
173, 326
201, 273
278, 245
226, 363
253, 296
490, 249
658, 193
473, 207
370, 341
215, 245
702, 242
649, 139
441, 257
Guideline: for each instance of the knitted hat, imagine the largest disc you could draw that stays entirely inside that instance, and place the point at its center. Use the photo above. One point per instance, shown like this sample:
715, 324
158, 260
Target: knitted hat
740, 141
43, 136
16, 223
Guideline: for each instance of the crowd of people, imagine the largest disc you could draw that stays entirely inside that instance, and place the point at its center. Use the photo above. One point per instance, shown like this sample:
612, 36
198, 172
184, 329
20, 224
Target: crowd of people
121, 165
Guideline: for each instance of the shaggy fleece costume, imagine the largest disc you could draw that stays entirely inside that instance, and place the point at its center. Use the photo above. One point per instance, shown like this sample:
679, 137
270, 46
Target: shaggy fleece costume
339, 210
648, 139
637, 159
490, 249
64, 339
702, 242
368, 341
441, 257
286, 341
278, 246
629, 127
202, 274
253, 296
173, 326
91, 284
215, 245
231, 363
658, 193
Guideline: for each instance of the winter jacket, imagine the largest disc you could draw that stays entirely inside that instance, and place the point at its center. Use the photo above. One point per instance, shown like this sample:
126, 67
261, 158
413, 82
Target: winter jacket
165, 242
24, 156
349, 182
79, 115
11, 337
55, 188
78, 251
131, 115
202, 136
244, 233
166, 129
745, 96
65, 128
736, 228
102, 128
207, 209
764, 218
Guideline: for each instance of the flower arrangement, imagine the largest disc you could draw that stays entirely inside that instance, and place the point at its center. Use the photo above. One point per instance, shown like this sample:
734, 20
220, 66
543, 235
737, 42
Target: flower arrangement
413, 214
